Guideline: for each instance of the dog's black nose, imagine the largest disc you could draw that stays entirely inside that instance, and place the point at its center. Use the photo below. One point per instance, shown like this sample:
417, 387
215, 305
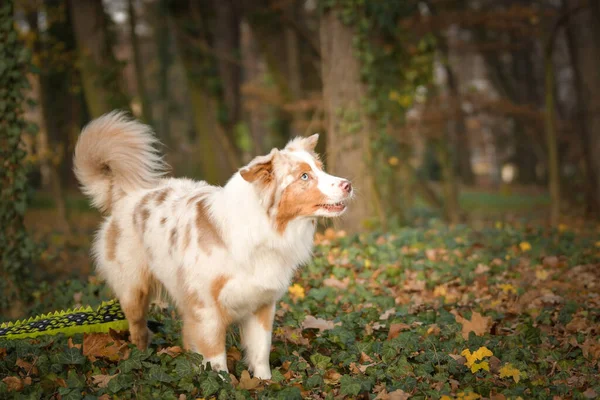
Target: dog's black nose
346, 186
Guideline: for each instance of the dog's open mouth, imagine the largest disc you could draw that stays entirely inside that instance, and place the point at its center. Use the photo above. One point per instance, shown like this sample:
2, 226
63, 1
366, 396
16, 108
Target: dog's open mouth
334, 207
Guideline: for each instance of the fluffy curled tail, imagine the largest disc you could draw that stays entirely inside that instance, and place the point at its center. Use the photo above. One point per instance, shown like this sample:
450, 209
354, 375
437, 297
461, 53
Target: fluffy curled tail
115, 155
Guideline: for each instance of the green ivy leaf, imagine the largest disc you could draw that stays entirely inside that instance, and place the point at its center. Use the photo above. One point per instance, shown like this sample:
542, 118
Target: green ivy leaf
349, 386
320, 361
71, 356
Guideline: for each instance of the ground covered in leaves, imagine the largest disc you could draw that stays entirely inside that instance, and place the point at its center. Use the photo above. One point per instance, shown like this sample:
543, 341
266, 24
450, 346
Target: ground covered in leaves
503, 312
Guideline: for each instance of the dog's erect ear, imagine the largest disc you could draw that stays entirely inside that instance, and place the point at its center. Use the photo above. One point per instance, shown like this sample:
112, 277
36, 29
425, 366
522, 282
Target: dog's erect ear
260, 169
303, 143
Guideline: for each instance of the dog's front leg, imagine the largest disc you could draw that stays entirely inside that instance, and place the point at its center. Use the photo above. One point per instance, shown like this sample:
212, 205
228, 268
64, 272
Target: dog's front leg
256, 332
204, 332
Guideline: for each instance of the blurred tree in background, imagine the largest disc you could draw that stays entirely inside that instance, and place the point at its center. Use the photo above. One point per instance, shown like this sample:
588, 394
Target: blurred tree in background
419, 102
16, 249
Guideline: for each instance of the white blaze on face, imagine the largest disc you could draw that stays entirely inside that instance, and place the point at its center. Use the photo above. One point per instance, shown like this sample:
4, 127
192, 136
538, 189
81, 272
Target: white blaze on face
330, 186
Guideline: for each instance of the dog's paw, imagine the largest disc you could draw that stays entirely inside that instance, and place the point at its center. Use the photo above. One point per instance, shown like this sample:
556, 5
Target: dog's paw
262, 373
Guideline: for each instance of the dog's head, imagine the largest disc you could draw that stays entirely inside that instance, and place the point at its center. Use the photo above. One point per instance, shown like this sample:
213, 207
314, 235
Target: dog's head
292, 183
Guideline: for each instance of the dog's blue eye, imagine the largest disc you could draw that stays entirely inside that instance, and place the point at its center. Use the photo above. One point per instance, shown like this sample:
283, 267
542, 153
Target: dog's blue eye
304, 176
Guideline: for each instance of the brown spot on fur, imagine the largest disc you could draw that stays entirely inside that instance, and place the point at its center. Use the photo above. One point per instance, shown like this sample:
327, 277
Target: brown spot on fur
163, 220
299, 198
187, 236
172, 238
195, 329
195, 338
215, 290
162, 195
265, 316
140, 211
195, 198
208, 233
112, 236
144, 215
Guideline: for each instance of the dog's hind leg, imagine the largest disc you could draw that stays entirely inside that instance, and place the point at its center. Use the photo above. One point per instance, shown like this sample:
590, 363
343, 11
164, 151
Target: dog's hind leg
135, 302
123, 263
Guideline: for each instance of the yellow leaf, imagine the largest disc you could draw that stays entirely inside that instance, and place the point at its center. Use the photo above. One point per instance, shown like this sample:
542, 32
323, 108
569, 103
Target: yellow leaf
296, 291
481, 365
445, 397
405, 101
468, 396
394, 95
541, 274
368, 264
440, 291
597, 243
525, 246
562, 227
482, 352
393, 161
508, 371
478, 355
508, 288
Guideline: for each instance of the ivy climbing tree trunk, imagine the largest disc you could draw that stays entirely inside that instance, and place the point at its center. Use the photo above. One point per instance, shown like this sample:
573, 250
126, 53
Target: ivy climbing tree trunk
100, 71
348, 126
17, 250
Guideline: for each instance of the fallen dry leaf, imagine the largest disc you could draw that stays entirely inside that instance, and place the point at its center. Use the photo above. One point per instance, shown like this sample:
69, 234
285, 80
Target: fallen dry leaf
481, 269
248, 383
578, 324
395, 330
13, 383
102, 380
434, 330
387, 314
27, 366
173, 351
310, 322
550, 262
71, 344
336, 283
478, 324
332, 377
398, 394
103, 345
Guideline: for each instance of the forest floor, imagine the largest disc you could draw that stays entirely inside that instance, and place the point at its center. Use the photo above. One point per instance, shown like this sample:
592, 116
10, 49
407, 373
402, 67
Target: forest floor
508, 310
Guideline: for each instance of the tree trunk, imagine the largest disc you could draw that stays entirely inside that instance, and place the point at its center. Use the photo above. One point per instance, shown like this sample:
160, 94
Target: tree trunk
254, 72
100, 72
204, 123
348, 126
551, 142
52, 159
212, 138
227, 42
584, 50
163, 42
138, 66
449, 182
